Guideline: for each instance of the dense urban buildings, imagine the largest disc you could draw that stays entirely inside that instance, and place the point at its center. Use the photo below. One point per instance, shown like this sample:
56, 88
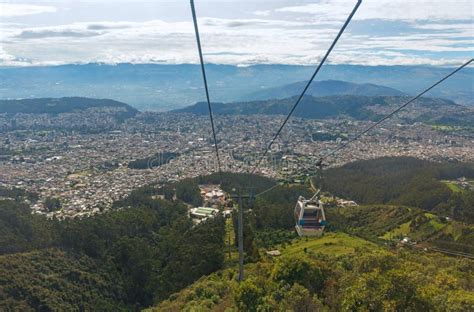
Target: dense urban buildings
86, 166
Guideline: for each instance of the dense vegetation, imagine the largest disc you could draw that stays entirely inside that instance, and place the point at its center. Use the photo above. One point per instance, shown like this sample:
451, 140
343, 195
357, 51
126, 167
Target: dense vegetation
275, 209
22, 231
55, 280
271, 220
404, 181
335, 273
122, 260
52, 203
147, 250
371, 221
61, 105
126, 259
17, 194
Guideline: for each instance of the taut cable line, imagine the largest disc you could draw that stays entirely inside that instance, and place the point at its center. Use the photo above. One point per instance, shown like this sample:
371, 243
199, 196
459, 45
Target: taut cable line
203, 70
362, 133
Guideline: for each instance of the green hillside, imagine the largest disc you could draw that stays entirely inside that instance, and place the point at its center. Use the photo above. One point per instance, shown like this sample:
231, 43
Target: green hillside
62, 105
53, 280
148, 253
389, 224
405, 181
337, 272
126, 259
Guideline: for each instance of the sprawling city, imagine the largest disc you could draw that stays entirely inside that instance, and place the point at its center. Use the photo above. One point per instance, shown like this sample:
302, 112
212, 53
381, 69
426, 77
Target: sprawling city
89, 171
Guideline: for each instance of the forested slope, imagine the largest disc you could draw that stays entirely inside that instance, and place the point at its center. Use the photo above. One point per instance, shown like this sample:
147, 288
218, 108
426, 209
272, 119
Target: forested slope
361, 271
405, 181
147, 249
54, 280
337, 272
123, 260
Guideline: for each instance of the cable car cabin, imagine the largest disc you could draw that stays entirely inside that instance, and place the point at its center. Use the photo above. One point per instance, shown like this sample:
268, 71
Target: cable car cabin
310, 217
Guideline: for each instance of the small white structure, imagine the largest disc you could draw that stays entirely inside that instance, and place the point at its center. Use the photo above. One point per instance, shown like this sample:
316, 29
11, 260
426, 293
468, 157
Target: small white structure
203, 212
310, 217
274, 253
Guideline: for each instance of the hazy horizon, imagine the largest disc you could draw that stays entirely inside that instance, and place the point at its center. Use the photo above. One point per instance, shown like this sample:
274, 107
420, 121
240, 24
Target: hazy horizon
168, 87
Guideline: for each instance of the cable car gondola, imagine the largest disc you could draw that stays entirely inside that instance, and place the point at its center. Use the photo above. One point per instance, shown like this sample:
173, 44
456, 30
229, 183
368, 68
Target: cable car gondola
310, 217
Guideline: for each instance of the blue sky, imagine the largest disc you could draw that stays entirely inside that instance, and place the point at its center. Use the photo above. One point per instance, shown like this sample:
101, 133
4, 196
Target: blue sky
383, 32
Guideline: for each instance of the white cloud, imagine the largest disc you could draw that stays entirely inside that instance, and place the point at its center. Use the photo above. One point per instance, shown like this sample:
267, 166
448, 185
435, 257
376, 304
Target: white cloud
407, 10
7, 59
387, 59
273, 38
9, 10
262, 13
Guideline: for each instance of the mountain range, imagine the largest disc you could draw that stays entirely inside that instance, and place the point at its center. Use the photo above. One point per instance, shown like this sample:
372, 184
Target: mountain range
167, 87
323, 88
430, 110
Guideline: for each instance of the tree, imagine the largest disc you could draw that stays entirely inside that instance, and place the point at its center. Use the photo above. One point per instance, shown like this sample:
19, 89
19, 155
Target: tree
189, 192
248, 296
299, 299
291, 270
136, 259
52, 204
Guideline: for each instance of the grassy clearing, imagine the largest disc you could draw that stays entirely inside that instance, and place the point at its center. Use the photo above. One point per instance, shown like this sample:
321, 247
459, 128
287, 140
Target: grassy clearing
436, 224
453, 186
403, 229
455, 230
335, 244
430, 215
427, 230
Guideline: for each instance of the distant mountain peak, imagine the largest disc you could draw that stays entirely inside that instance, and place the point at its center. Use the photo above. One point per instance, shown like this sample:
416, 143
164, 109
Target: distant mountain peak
324, 88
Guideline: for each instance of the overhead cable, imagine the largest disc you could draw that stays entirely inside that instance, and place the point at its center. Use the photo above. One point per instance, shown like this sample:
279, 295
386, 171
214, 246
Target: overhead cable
203, 70
341, 31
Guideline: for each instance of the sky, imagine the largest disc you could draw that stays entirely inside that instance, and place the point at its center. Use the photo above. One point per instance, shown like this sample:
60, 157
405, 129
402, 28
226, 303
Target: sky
237, 32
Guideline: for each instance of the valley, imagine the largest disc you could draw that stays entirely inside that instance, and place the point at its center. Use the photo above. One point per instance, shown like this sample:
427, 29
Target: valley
237, 156
86, 158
